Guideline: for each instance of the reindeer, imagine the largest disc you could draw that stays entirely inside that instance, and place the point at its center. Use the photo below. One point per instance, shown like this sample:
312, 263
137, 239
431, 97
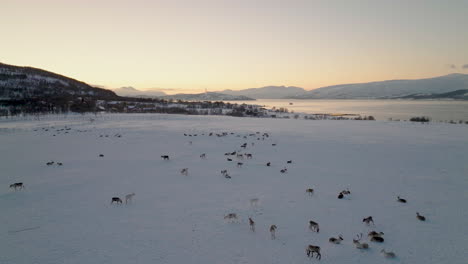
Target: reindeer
368, 219
388, 254
401, 200
273, 231
184, 171
252, 224
289, 161
268, 164
224, 172
336, 240
239, 164
284, 170
374, 233
341, 195
254, 202
240, 156
203, 156
228, 159
346, 192
358, 244
310, 191
50, 163
311, 249
420, 217
231, 216
376, 236
59, 163
129, 197
313, 226
17, 185
117, 200
165, 157
248, 155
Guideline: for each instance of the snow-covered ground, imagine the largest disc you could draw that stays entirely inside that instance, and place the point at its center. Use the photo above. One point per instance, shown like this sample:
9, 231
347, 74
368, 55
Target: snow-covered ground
64, 214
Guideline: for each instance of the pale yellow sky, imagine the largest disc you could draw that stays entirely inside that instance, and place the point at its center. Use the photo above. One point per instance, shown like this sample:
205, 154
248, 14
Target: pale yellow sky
193, 45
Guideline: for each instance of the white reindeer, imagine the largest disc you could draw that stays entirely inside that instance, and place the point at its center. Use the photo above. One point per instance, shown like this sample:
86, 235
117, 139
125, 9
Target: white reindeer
231, 216
254, 202
358, 244
128, 197
388, 254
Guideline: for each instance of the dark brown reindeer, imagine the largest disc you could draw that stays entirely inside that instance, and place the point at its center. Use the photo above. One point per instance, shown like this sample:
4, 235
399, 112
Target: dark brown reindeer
314, 226
239, 164
17, 185
273, 231
311, 249
310, 191
117, 200
420, 217
335, 240
252, 224
401, 200
368, 220
165, 157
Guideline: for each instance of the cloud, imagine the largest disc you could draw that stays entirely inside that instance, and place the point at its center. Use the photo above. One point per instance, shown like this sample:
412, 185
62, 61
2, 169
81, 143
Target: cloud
452, 66
465, 67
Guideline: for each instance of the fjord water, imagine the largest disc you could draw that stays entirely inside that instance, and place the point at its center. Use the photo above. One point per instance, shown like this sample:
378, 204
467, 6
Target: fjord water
380, 109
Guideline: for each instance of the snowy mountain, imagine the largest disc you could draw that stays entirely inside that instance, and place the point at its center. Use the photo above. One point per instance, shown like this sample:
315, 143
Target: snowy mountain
27, 82
269, 92
458, 95
390, 89
209, 96
132, 92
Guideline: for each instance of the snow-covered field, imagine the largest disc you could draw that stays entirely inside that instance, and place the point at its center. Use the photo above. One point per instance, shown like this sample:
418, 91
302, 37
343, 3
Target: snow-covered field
64, 214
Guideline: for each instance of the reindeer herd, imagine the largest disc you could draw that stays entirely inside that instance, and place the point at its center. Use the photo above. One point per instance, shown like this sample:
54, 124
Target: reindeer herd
239, 156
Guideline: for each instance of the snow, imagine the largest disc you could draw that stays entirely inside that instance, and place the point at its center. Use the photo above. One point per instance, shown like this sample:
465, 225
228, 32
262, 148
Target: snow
64, 215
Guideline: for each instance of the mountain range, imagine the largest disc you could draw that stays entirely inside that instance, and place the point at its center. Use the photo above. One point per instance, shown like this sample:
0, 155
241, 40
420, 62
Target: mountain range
390, 89
27, 82
429, 88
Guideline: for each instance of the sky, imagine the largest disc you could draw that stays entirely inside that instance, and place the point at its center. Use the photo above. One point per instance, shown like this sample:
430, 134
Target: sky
195, 45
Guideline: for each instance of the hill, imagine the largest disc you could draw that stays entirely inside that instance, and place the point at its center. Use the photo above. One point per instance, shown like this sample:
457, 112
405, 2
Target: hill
18, 83
458, 95
390, 89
